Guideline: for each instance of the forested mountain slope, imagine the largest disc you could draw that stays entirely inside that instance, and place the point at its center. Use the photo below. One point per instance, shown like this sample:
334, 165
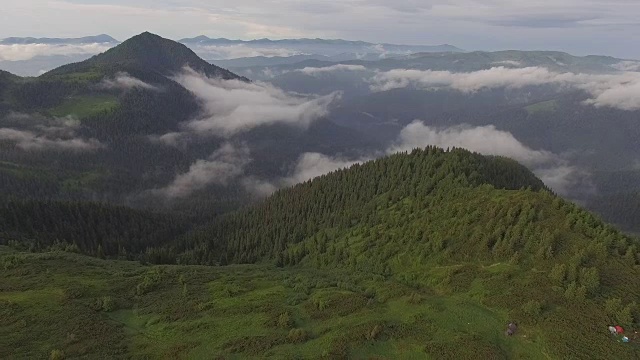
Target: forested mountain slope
426, 254
455, 221
351, 198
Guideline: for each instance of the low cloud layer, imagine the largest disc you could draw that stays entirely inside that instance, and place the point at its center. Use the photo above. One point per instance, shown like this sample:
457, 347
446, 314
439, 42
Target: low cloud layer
218, 52
551, 168
233, 106
46, 134
308, 166
483, 139
223, 166
18, 52
314, 71
124, 81
513, 63
311, 165
627, 66
620, 90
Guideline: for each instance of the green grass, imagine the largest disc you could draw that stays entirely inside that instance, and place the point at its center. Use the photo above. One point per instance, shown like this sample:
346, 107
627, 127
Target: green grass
85, 106
54, 301
542, 107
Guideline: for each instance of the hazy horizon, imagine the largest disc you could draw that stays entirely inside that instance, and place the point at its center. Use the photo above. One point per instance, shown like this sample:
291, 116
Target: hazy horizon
592, 27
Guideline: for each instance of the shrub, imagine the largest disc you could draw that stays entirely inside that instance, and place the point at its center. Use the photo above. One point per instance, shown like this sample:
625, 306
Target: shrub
56, 355
108, 304
298, 336
532, 309
150, 281
558, 274
375, 332
285, 321
415, 299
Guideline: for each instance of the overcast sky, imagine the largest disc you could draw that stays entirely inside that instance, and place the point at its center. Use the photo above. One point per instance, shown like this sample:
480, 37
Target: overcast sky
610, 27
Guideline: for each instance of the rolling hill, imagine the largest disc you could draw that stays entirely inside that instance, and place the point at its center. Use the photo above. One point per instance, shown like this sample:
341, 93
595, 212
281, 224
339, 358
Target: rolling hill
425, 254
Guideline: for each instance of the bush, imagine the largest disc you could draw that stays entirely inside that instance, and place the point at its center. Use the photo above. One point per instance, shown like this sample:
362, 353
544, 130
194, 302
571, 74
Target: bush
108, 304
56, 355
532, 309
150, 281
298, 336
285, 321
105, 303
415, 299
375, 332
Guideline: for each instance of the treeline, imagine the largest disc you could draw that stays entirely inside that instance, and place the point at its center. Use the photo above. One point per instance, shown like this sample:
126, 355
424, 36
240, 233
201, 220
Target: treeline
89, 228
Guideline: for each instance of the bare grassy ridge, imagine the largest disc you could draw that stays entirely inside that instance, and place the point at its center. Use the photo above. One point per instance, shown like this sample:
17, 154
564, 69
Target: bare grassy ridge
92, 308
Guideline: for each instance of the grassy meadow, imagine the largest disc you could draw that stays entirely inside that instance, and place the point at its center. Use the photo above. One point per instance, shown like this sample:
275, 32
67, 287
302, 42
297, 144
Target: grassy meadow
67, 305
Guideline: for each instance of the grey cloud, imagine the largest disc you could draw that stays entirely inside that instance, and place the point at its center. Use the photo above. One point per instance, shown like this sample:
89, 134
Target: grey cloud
627, 66
308, 166
552, 169
225, 52
483, 139
625, 96
319, 7
311, 165
555, 171
315, 71
39, 133
19, 52
513, 63
233, 106
259, 188
174, 139
224, 165
406, 6
125, 81
28, 140
621, 90
544, 21
566, 179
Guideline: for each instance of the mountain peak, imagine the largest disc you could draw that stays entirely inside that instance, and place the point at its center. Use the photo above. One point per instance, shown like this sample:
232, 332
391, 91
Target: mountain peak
150, 52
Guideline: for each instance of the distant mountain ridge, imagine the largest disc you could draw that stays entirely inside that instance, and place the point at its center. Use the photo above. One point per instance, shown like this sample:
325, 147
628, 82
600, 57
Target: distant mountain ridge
222, 48
224, 41
101, 39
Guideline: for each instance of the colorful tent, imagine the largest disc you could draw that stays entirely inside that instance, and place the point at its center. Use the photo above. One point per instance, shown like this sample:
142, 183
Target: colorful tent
619, 329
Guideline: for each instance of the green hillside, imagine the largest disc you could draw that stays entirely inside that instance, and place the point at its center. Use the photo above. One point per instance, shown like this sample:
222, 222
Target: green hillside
422, 255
